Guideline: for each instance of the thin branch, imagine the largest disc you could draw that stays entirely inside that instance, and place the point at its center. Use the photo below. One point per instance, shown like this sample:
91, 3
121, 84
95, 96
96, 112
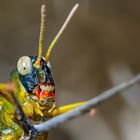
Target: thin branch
59, 120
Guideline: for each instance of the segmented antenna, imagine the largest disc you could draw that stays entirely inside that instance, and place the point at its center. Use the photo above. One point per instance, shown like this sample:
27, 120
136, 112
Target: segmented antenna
60, 31
41, 37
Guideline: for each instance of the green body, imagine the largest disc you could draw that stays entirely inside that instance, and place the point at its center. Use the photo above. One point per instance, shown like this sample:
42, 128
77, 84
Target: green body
9, 126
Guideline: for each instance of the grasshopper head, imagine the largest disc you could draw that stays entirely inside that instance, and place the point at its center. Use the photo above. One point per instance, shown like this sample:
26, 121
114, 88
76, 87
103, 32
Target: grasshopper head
34, 72
37, 81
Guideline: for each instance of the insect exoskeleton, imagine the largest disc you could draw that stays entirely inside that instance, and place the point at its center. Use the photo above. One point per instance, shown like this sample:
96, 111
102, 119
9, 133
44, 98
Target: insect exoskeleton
37, 81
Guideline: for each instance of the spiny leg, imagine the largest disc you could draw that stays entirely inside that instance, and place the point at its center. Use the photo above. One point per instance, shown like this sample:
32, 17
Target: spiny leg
29, 131
63, 109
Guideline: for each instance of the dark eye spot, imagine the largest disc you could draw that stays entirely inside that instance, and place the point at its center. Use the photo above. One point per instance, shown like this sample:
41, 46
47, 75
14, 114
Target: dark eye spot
24, 68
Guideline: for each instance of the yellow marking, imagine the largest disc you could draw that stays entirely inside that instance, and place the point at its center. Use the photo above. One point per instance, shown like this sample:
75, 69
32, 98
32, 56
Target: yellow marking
2, 87
8, 137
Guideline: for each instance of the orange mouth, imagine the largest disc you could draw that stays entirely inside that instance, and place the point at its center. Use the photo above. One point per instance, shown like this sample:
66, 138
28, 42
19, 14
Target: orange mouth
45, 92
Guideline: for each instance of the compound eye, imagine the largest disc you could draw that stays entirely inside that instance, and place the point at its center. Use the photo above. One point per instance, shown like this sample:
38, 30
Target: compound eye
24, 65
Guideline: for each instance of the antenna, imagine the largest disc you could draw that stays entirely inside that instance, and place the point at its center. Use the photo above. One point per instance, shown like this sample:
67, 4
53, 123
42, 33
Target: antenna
60, 31
41, 37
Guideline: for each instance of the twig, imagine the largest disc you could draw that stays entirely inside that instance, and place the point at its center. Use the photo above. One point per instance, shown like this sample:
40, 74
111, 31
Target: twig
56, 121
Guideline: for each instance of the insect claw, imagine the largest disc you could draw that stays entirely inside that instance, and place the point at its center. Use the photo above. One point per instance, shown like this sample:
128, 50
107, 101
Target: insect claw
29, 137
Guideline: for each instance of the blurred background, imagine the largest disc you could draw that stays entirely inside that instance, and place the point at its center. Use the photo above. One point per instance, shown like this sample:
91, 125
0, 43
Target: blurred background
99, 49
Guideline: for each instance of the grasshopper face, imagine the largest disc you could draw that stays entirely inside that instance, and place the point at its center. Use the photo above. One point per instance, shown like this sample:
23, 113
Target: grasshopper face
37, 81
34, 73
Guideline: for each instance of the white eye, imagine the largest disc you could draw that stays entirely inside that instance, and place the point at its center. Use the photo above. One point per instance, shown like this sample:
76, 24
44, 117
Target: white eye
24, 65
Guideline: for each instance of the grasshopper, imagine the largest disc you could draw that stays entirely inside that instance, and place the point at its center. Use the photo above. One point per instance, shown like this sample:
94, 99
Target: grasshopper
33, 85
